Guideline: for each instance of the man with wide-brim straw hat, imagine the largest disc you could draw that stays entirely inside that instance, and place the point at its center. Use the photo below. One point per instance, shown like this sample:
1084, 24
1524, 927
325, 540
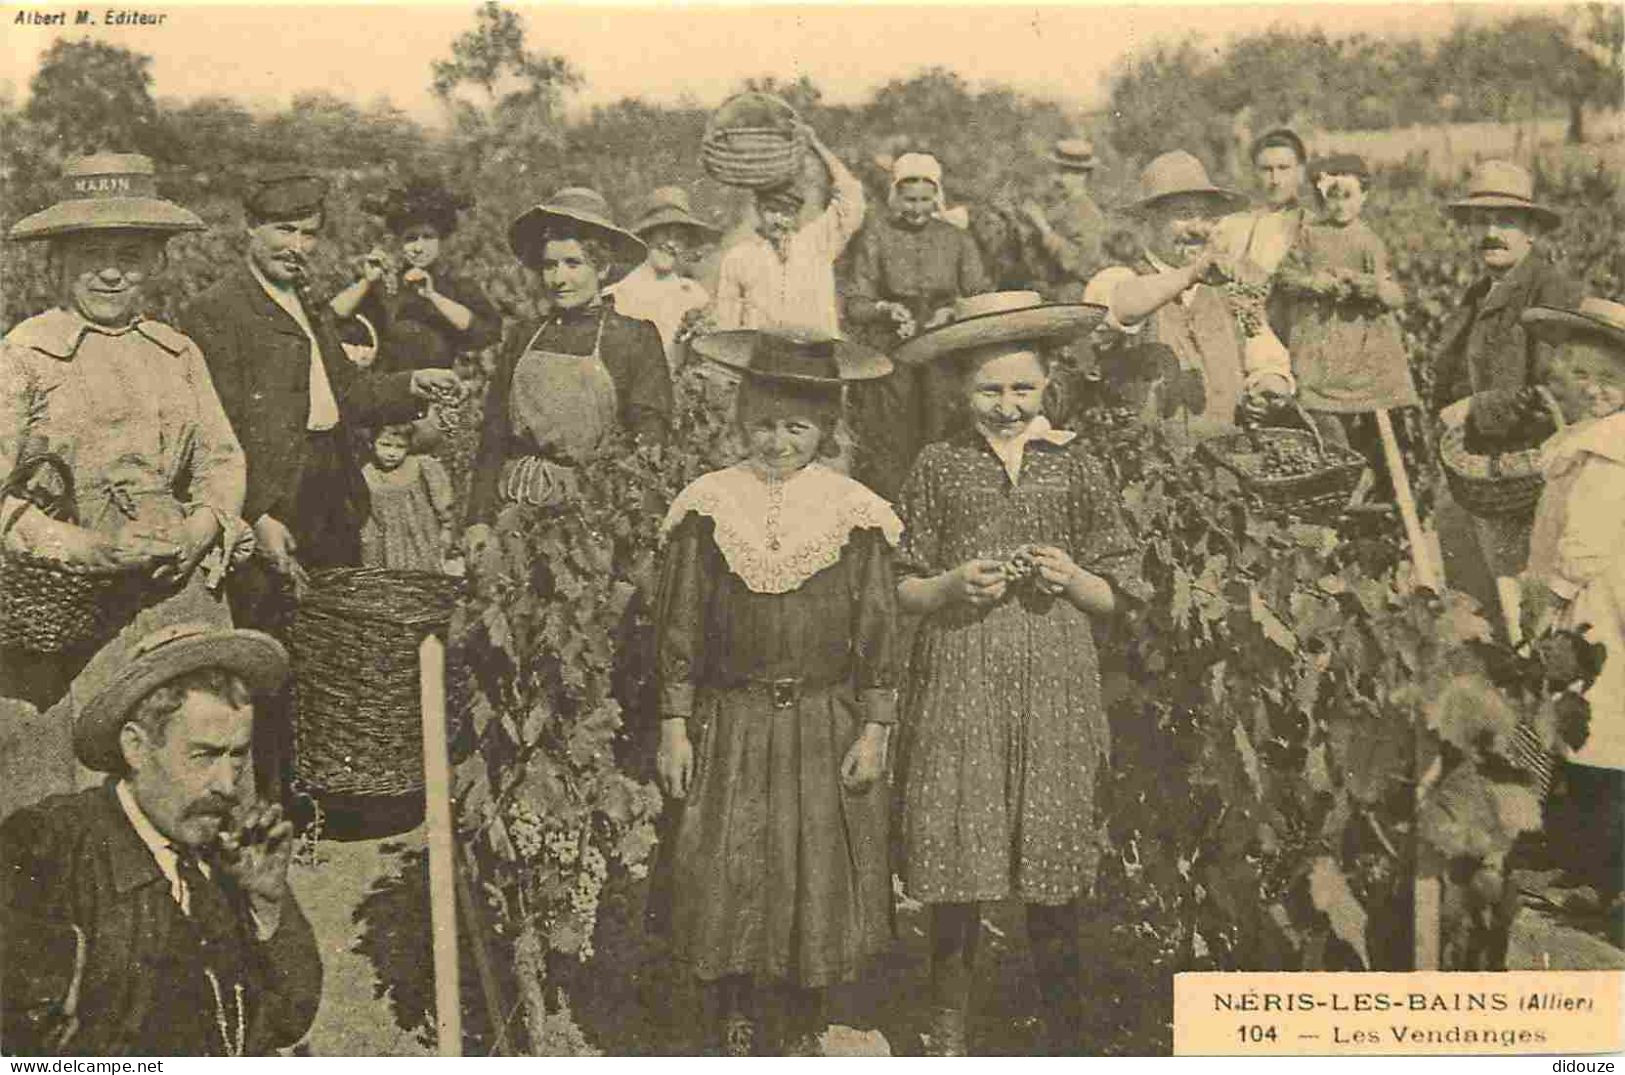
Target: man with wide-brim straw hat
152, 915
127, 404
1067, 226
1576, 578
661, 290
1173, 321
564, 385
1488, 357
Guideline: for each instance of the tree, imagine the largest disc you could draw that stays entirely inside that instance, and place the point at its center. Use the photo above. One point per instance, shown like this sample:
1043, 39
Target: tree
1162, 101
89, 95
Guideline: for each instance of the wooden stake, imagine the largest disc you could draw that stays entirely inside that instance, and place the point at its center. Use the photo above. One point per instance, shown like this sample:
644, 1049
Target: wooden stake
1421, 558
442, 851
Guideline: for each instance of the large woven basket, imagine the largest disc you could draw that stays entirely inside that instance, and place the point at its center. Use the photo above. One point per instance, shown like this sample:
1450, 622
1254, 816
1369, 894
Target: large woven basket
46, 605
1492, 486
354, 642
1321, 491
752, 141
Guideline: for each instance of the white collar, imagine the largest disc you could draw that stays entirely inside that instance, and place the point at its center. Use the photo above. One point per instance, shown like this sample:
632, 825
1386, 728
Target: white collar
1604, 437
1010, 450
163, 852
775, 535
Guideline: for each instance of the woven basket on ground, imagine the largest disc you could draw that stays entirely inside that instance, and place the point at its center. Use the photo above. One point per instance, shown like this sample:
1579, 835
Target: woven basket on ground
46, 605
1322, 490
354, 642
752, 141
1492, 486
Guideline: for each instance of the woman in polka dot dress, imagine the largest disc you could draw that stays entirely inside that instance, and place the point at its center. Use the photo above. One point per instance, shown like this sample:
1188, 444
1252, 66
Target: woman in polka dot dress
1013, 541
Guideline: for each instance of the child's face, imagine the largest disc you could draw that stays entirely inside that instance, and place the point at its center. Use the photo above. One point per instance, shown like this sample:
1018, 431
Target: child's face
782, 444
420, 245
1587, 380
1343, 195
390, 449
1006, 391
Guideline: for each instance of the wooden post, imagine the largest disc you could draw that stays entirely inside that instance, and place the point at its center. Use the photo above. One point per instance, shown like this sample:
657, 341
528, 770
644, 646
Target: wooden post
1421, 555
1426, 885
442, 851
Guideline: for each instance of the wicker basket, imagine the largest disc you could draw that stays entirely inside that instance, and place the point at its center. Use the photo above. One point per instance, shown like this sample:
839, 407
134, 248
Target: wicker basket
1492, 486
752, 141
1321, 491
47, 606
354, 642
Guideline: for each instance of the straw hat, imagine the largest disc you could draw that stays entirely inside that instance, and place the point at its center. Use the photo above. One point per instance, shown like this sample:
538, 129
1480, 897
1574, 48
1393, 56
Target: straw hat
999, 317
669, 207
1498, 184
1595, 318
159, 658
575, 210
105, 191
1177, 173
1073, 155
793, 358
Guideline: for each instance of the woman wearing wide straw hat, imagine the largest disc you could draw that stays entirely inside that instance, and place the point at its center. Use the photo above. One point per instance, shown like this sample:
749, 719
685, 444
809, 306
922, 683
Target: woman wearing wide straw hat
563, 386
910, 267
778, 675
1014, 543
127, 404
425, 315
658, 291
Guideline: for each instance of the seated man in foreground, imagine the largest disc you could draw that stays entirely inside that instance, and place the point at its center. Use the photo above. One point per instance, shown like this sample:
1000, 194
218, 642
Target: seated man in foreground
152, 915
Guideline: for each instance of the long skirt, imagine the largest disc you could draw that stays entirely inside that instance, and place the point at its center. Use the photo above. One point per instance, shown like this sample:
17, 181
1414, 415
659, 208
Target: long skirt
779, 872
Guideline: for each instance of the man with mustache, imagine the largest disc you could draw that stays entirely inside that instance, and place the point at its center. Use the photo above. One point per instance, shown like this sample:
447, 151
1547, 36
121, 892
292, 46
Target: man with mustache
151, 916
1174, 328
1489, 358
782, 276
291, 395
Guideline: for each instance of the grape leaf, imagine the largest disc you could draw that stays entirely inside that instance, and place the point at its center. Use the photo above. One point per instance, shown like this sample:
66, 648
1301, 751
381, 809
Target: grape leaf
1315, 772
1330, 893
1469, 712
1271, 624
1466, 816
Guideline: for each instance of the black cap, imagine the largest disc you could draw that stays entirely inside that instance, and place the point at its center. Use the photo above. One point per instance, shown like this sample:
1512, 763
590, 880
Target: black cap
285, 192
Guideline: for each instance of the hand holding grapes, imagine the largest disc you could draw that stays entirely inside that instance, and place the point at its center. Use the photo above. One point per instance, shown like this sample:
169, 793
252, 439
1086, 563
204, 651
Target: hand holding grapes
978, 582
1054, 570
418, 281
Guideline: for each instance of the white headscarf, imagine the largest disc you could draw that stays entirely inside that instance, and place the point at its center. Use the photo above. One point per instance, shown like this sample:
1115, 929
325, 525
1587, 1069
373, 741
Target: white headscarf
917, 166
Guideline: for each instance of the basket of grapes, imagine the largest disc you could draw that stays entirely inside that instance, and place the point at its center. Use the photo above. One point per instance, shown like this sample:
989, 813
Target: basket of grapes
1496, 484
1288, 468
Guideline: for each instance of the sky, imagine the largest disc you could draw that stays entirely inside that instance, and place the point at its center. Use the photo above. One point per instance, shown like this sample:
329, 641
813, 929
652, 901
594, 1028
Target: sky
264, 53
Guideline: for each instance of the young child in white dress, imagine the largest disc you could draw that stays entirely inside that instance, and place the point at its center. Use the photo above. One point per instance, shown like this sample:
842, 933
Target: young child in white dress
410, 525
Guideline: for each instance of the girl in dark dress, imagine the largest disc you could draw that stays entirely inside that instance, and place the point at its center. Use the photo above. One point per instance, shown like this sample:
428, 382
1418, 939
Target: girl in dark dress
778, 676
1013, 543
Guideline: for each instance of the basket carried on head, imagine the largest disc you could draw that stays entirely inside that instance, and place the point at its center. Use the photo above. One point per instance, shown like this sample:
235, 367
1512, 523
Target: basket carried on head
752, 141
1323, 489
1492, 486
46, 605
354, 642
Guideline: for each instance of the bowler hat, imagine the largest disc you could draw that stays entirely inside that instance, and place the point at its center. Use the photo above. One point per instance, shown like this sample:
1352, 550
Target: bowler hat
1177, 173
1073, 155
669, 207
1501, 184
575, 212
105, 191
157, 659
999, 317
1595, 318
284, 192
789, 357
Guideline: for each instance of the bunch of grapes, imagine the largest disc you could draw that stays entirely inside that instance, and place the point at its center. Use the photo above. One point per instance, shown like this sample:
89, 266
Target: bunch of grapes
563, 847
1247, 303
1019, 568
589, 884
1287, 458
525, 829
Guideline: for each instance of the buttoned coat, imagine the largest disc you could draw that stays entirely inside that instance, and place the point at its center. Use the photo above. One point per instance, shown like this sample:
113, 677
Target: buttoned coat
259, 359
76, 861
1485, 348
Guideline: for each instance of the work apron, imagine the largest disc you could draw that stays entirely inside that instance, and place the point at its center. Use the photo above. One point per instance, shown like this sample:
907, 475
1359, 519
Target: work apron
568, 407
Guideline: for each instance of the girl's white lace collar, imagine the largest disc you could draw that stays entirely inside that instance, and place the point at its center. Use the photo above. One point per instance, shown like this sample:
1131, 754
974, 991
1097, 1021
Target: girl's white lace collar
775, 535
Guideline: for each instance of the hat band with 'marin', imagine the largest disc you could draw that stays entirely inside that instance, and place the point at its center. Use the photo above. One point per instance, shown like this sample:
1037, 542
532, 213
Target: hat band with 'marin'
109, 185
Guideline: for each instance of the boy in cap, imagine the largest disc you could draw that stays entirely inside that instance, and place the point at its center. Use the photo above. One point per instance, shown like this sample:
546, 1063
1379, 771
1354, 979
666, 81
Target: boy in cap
659, 291
1069, 227
151, 916
782, 276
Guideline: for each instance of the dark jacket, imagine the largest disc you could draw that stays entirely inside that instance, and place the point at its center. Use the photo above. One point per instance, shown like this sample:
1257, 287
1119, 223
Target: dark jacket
259, 360
1485, 349
414, 335
630, 350
76, 861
